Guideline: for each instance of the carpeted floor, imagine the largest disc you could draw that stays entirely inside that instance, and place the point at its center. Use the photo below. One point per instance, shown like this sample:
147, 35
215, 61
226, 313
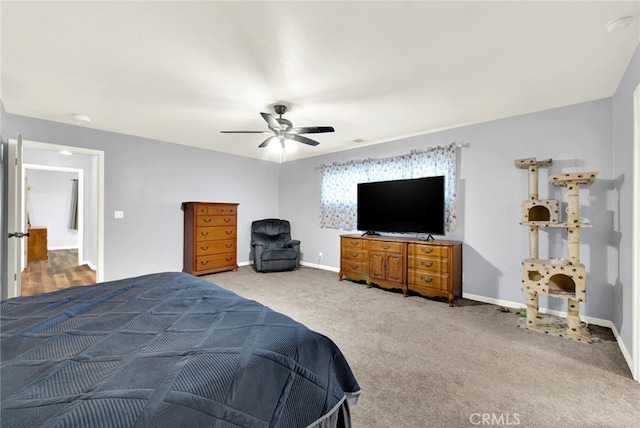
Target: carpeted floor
422, 364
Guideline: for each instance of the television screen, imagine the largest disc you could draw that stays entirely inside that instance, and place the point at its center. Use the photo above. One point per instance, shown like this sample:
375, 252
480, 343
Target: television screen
402, 206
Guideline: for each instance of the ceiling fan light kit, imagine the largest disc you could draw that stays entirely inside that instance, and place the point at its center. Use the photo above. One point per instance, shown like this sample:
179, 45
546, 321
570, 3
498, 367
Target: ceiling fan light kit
283, 129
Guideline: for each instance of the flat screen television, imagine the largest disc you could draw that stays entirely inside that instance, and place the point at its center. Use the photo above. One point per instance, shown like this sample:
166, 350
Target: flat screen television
402, 206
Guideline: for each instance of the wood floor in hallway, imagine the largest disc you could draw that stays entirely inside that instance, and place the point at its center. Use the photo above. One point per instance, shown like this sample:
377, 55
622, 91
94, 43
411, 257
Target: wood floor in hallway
60, 271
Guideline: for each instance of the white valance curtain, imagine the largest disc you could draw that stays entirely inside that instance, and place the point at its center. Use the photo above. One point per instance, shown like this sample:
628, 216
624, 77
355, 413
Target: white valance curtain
339, 183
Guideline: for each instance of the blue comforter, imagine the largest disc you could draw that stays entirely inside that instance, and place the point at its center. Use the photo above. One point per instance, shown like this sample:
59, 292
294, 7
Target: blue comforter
164, 350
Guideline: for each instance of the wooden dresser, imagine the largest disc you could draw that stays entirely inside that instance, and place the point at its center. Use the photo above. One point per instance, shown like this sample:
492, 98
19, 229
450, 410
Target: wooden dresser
37, 244
210, 237
429, 268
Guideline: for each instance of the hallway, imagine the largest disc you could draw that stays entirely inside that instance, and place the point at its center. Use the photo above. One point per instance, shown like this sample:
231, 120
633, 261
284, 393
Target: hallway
60, 271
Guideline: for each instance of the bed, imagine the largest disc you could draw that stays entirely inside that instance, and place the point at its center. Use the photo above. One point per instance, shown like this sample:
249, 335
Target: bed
165, 350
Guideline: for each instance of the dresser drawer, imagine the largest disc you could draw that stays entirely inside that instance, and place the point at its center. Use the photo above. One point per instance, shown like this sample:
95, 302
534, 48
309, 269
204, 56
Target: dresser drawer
206, 209
395, 247
215, 220
429, 265
353, 243
214, 247
214, 233
427, 250
355, 254
420, 279
354, 266
215, 261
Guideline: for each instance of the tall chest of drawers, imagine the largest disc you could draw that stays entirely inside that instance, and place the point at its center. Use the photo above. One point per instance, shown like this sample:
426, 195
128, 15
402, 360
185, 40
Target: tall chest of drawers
210, 237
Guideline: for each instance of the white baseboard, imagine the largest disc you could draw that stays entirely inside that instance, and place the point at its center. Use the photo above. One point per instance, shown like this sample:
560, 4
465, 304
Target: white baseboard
625, 352
91, 265
499, 302
509, 304
319, 266
307, 264
63, 247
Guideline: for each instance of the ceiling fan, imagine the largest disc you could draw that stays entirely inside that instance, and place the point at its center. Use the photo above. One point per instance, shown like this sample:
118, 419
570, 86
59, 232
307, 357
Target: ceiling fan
283, 129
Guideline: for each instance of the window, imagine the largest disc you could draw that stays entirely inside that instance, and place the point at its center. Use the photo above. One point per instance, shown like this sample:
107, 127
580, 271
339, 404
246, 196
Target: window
339, 183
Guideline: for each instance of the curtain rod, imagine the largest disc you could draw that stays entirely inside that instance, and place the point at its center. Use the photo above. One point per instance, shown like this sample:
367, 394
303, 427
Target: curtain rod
462, 145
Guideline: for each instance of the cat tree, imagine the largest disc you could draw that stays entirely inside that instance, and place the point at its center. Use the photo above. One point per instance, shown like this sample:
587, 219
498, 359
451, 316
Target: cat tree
555, 277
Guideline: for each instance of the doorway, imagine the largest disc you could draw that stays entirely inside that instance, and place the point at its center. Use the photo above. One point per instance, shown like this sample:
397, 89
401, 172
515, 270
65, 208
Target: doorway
85, 263
57, 223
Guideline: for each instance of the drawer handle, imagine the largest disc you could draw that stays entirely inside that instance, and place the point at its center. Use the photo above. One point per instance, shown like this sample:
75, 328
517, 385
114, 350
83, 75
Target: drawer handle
354, 243
227, 220
354, 254
204, 233
354, 267
228, 258
426, 250
430, 279
204, 262
425, 264
206, 220
204, 248
228, 245
386, 246
228, 232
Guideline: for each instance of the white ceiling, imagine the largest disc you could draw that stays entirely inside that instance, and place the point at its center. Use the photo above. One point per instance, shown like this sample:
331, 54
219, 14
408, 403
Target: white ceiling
183, 71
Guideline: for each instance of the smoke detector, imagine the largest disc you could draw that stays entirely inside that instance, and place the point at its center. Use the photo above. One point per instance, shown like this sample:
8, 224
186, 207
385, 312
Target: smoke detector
81, 119
619, 24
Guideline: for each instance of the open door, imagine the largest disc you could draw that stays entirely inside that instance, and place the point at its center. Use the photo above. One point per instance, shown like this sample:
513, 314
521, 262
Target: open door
16, 251
635, 241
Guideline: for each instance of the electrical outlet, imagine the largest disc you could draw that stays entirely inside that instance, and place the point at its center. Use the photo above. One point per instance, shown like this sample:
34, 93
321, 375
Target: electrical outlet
320, 255
118, 214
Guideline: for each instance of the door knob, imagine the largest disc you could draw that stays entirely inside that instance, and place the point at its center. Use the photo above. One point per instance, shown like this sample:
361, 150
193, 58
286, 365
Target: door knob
19, 235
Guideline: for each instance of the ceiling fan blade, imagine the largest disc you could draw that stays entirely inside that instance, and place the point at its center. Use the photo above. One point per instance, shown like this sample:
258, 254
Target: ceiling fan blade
245, 132
266, 142
312, 130
271, 121
301, 139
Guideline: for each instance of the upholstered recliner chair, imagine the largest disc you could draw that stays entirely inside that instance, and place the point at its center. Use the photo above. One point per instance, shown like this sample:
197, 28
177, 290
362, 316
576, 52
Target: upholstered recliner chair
273, 248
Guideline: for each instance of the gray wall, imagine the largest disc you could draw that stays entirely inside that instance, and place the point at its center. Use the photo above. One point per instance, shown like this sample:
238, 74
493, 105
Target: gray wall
149, 180
622, 205
490, 191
